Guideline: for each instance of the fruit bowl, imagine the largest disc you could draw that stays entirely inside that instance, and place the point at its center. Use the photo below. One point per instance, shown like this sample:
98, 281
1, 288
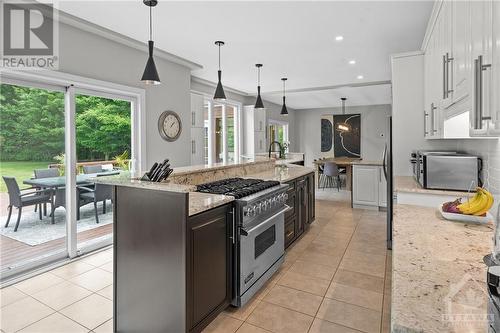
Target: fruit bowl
466, 218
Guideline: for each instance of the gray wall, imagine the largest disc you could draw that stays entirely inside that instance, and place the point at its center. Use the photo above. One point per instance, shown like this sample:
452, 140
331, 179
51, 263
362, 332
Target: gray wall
373, 124
89, 55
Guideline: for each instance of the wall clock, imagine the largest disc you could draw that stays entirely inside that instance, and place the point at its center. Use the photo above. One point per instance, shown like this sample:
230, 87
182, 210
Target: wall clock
169, 126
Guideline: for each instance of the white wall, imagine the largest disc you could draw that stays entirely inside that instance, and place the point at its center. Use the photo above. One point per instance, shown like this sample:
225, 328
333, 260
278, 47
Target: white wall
89, 55
373, 124
408, 124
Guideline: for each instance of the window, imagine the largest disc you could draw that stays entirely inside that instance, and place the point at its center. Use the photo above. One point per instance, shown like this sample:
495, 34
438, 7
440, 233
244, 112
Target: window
222, 132
278, 131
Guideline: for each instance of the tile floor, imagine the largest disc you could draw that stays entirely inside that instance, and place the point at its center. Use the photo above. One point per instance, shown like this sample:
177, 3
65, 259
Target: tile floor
336, 278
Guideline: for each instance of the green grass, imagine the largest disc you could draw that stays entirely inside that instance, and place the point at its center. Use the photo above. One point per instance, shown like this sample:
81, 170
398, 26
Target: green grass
21, 170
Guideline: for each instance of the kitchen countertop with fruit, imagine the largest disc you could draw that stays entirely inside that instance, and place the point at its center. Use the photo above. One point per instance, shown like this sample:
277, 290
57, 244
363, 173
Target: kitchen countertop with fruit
438, 278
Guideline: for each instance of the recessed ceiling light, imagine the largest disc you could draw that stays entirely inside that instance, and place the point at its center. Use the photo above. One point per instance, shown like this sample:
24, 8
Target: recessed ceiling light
360, 77
339, 38
352, 62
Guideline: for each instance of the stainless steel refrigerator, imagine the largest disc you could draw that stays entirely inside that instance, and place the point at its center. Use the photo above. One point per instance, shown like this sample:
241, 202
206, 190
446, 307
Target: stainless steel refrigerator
387, 166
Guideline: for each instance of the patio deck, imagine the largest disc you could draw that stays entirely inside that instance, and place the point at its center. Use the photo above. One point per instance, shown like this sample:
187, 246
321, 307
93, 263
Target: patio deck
13, 252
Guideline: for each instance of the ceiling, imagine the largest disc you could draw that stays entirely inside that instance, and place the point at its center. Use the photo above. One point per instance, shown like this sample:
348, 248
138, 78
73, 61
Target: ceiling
293, 39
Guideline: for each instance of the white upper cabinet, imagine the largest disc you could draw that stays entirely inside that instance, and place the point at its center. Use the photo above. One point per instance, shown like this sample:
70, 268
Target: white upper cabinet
461, 70
197, 111
254, 131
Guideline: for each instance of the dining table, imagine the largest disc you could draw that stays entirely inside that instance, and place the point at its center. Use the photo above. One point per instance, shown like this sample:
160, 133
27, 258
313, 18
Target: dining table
342, 162
53, 183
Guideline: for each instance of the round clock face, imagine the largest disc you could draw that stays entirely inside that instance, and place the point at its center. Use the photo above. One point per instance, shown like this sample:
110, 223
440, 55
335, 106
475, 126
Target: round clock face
169, 125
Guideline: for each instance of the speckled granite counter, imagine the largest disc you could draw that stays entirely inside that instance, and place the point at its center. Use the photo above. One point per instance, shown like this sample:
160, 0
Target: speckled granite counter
438, 278
198, 202
282, 174
408, 184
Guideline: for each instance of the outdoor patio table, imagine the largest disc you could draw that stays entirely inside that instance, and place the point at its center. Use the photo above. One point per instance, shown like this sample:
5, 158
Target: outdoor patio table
53, 183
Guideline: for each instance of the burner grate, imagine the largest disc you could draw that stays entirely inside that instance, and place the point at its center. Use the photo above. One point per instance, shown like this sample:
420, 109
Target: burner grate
236, 187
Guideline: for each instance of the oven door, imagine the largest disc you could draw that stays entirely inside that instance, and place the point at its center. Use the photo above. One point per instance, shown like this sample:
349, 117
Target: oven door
261, 245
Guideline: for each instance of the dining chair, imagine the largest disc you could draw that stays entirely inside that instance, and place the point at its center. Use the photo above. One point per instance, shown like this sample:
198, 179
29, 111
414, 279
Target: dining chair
60, 201
45, 173
331, 174
92, 169
100, 192
19, 200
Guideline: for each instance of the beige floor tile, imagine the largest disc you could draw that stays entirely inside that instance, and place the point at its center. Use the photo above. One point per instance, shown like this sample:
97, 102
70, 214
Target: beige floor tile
55, 323
61, 295
107, 292
107, 327
99, 258
10, 295
277, 319
320, 258
37, 283
370, 264
323, 326
312, 269
386, 307
386, 323
91, 311
248, 328
94, 280
294, 299
243, 312
356, 296
305, 283
72, 269
366, 247
107, 267
337, 249
349, 315
22, 313
359, 280
223, 324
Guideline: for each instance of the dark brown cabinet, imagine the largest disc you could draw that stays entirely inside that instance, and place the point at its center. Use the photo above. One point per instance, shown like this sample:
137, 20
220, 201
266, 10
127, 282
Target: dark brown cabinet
301, 198
209, 252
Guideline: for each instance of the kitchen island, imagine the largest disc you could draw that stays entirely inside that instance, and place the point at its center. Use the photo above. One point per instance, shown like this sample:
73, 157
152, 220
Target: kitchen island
174, 247
438, 278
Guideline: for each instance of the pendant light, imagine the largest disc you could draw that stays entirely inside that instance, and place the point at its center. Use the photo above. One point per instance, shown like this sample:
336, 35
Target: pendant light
284, 111
258, 102
150, 75
219, 91
343, 127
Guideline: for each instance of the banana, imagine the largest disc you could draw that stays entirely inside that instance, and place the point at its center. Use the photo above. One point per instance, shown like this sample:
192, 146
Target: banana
488, 204
468, 206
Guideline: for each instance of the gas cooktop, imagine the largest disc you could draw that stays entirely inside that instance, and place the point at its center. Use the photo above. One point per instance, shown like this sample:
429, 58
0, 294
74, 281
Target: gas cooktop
237, 187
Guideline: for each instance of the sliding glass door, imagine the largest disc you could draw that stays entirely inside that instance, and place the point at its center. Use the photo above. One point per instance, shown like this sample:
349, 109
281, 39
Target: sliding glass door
55, 138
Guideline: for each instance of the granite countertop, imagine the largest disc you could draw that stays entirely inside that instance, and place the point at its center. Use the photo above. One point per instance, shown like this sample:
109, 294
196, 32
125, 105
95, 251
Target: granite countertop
200, 202
179, 171
438, 276
282, 173
349, 161
408, 184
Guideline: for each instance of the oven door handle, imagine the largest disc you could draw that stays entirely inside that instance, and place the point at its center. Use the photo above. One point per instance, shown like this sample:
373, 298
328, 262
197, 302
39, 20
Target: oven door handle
244, 232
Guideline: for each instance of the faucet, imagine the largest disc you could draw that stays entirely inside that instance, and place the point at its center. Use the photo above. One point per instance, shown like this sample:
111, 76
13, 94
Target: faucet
271, 147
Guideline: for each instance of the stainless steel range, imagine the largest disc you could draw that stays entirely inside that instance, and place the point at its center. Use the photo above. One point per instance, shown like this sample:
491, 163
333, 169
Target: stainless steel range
259, 240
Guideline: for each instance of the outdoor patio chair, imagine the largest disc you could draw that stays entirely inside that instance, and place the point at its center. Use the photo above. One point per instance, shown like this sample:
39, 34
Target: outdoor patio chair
60, 201
45, 173
100, 192
19, 200
92, 169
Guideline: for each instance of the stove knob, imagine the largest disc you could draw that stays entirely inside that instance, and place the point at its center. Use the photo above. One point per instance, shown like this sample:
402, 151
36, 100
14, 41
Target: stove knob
251, 211
274, 201
258, 208
265, 206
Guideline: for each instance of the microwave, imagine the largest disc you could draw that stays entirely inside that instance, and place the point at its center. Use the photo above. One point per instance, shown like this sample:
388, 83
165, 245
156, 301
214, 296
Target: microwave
446, 170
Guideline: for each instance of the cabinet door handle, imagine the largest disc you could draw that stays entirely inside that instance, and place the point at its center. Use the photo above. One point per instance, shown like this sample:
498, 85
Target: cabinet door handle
193, 118
425, 123
193, 147
445, 88
433, 109
479, 67
448, 74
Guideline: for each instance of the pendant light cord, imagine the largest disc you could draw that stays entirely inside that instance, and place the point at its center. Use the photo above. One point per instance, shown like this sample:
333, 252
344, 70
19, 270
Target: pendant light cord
150, 23
219, 56
258, 76
283, 88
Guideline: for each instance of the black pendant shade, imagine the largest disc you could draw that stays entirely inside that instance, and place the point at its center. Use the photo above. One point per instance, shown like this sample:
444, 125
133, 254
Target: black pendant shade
284, 111
219, 91
258, 103
150, 75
